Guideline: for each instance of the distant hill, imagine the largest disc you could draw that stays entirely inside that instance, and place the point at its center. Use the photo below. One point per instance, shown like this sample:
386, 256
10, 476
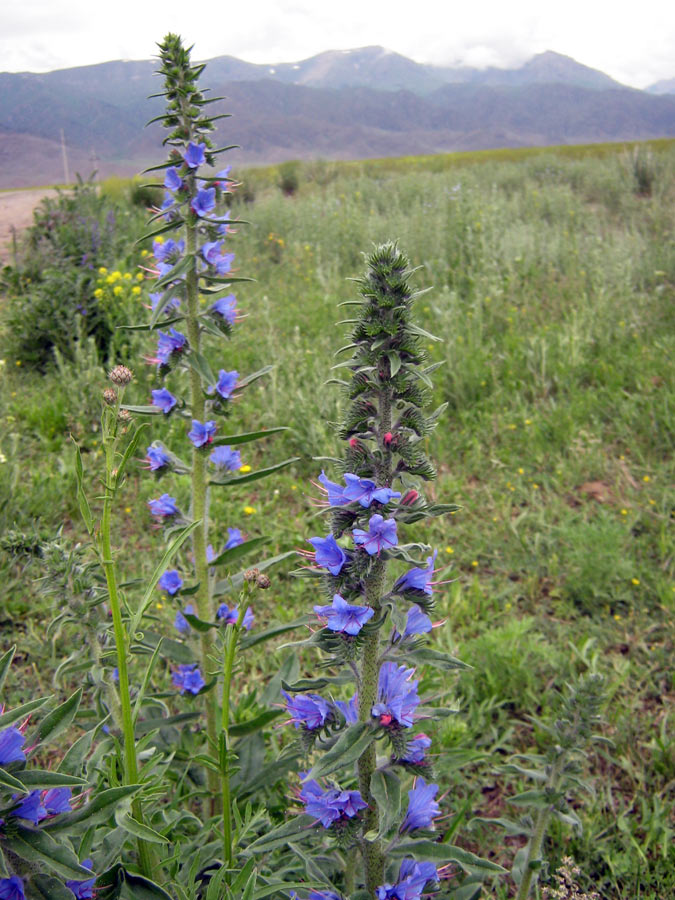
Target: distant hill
339, 104
666, 86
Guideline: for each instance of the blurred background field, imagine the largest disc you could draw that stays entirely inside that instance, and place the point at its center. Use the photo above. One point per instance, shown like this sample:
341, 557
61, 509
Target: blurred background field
552, 277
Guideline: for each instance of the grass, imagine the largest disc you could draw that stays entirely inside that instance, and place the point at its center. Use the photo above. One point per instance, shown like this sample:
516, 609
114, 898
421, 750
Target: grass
553, 288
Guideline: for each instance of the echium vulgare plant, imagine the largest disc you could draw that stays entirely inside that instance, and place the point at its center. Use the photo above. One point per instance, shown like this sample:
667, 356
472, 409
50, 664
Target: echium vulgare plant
375, 625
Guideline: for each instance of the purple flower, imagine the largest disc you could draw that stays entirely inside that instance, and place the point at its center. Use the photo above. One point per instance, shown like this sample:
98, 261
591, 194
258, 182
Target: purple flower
11, 888
307, 710
396, 694
156, 298
226, 307
317, 895
188, 678
231, 616
226, 458
227, 382
172, 180
417, 622
415, 751
157, 458
168, 344
365, 491
328, 554
180, 623
11, 744
349, 709
83, 889
422, 806
57, 800
168, 251
164, 400
202, 433
380, 535
342, 617
222, 177
212, 251
331, 805
417, 579
166, 205
171, 582
30, 807
163, 506
234, 538
336, 494
204, 202
412, 878
194, 155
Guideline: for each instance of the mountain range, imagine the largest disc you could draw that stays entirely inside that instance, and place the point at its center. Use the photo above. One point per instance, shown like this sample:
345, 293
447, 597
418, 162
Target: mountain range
341, 104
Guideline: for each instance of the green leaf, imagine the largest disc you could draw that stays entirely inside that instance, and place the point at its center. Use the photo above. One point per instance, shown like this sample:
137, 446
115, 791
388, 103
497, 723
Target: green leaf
85, 510
143, 410
147, 675
260, 721
278, 837
347, 749
18, 712
420, 332
249, 379
12, 782
40, 778
5, 663
445, 853
426, 656
50, 888
130, 450
234, 553
385, 786
58, 719
74, 758
36, 846
255, 476
534, 774
246, 437
181, 268
173, 650
147, 326
175, 223
235, 582
147, 725
394, 358
138, 829
201, 366
538, 799
250, 640
137, 887
511, 827
98, 810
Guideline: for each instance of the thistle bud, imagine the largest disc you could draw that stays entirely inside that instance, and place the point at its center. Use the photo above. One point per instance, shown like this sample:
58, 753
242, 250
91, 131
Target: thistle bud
251, 575
125, 415
263, 582
110, 396
410, 497
121, 376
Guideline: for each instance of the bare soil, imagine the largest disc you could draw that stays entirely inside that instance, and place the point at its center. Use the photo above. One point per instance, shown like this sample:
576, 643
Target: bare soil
16, 212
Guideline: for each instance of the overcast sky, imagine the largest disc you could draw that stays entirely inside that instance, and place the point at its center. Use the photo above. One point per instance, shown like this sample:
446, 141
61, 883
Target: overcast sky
632, 42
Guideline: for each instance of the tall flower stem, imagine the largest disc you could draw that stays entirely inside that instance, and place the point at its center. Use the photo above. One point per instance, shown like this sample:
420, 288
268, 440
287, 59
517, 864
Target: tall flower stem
538, 835
145, 854
230, 648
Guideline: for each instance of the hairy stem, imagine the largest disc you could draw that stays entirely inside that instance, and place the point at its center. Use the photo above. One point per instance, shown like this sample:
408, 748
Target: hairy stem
228, 664
538, 835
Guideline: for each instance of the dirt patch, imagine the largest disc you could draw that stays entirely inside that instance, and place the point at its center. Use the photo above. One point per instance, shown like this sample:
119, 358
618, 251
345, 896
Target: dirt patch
16, 212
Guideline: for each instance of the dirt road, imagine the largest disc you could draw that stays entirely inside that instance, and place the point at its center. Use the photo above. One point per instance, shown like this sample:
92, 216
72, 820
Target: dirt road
16, 211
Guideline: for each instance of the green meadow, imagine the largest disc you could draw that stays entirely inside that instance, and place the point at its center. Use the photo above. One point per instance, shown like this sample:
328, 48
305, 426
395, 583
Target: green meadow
551, 285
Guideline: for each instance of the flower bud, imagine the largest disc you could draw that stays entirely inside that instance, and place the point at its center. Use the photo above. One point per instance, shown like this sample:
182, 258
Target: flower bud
410, 497
110, 396
125, 415
263, 582
121, 376
353, 442
387, 439
251, 575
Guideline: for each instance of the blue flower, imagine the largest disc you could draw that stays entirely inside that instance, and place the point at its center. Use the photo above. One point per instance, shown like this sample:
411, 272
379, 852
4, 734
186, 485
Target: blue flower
168, 344
57, 800
328, 554
227, 382
180, 623
331, 805
308, 710
157, 458
336, 494
413, 876
317, 895
222, 177
204, 202
417, 622
380, 535
188, 678
168, 251
234, 538
231, 616
11, 744
172, 180
166, 205
30, 807
163, 506
164, 400
194, 155
202, 433
417, 579
212, 251
156, 298
226, 458
365, 491
11, 888
171, 582
422, 806
396, 694
83, 890
415, 751
226, 307
349, 709
342, 617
